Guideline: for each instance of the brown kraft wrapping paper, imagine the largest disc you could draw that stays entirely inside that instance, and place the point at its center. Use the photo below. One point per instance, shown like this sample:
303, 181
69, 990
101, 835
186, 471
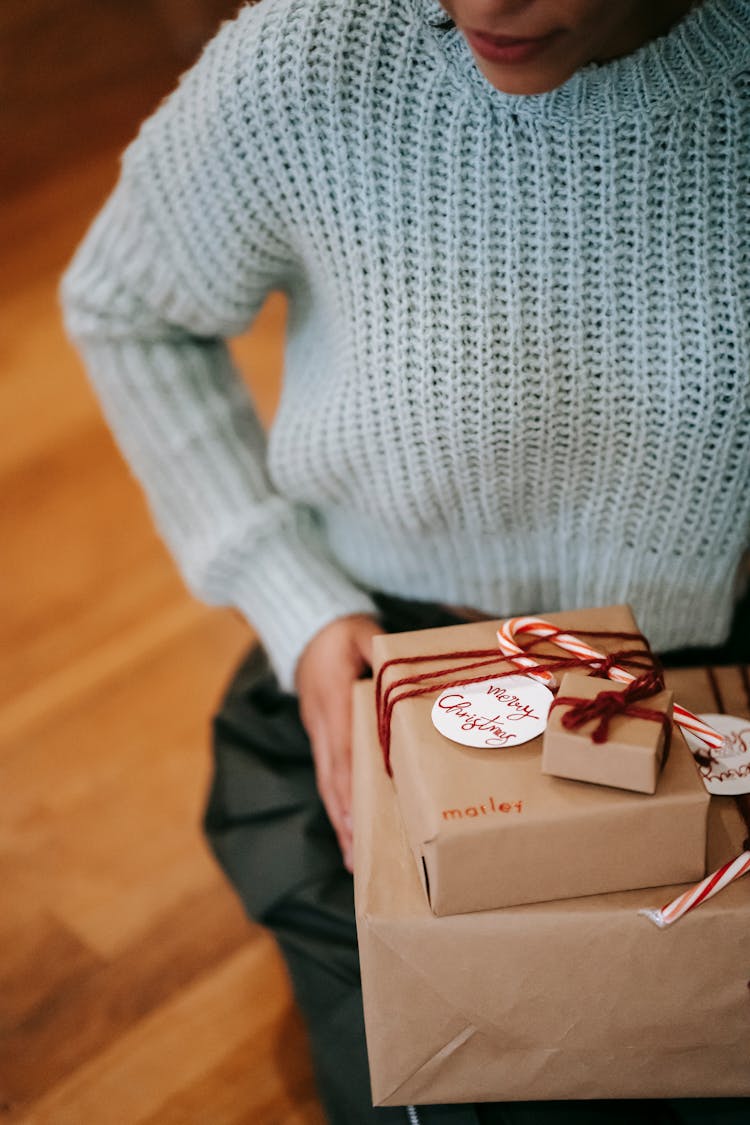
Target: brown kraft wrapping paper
580, 998
489, 829
631, 758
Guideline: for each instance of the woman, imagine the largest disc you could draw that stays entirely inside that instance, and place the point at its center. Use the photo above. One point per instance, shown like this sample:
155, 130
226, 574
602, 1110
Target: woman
514, 235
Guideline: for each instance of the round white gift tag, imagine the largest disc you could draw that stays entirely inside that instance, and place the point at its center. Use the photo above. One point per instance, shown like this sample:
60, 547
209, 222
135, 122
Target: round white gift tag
493, 714
729, 772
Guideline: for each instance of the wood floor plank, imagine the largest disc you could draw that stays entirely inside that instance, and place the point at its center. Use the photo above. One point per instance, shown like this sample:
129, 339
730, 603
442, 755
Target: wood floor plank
40, 957
79, 533
112, 836
259, 352
149, 706
85, 1011
40, 227
87, 672
58, 401
238, 1092
77, 73
132, 989
175, 1046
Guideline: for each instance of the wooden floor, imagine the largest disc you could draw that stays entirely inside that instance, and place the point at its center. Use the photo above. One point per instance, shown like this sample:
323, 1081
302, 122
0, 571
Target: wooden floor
132, 989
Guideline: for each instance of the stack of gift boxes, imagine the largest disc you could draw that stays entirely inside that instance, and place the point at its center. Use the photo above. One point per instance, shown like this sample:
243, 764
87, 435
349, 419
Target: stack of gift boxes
504, 851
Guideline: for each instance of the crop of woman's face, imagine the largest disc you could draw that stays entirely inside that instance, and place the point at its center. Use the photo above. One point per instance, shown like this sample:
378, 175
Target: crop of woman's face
532, 46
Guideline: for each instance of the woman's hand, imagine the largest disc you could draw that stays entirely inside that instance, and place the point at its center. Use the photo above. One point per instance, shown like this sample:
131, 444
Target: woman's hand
326, 671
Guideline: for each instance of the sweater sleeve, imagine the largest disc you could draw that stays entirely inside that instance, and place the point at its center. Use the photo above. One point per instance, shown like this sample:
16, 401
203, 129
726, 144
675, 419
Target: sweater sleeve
180, 258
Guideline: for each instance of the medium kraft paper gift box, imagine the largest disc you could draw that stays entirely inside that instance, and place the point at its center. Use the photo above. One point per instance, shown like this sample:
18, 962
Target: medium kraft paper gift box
633, 753
489, 829
579, 998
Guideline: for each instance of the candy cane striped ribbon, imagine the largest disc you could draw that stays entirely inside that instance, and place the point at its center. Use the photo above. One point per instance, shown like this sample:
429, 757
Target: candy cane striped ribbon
538, 627
710, 886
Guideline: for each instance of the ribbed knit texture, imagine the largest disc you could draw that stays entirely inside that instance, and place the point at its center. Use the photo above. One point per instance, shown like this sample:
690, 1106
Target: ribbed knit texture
517, 372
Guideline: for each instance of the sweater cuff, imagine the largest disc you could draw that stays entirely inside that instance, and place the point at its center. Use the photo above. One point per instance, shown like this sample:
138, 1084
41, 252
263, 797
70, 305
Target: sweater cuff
289, 589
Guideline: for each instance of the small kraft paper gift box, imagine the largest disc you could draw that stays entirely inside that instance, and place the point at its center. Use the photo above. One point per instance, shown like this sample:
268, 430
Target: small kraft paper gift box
580, 998
630, 750
486, 827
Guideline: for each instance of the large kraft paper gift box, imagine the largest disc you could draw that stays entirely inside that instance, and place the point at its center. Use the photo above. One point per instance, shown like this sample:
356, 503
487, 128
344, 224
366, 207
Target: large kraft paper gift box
581, 998
489, 829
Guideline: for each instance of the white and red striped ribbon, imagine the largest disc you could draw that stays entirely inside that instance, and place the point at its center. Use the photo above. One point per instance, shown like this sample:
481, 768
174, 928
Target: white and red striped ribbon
538, 627
706, 889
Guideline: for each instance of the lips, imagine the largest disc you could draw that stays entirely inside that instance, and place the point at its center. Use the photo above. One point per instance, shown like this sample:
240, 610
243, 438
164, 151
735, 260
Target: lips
507, 49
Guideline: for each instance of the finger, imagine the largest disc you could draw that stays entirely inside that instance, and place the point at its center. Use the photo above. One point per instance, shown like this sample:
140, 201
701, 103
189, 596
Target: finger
331, 722
340, 821
315, 723
339, 719
332, 786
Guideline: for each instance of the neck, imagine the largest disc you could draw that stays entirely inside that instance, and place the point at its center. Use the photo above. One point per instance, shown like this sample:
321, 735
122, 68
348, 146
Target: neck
647, 21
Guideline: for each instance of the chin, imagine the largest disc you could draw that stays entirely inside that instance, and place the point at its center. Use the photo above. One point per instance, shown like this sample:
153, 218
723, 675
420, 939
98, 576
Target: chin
522, 80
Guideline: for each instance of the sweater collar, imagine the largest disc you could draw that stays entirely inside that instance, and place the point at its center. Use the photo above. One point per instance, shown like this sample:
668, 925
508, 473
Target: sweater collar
711, 43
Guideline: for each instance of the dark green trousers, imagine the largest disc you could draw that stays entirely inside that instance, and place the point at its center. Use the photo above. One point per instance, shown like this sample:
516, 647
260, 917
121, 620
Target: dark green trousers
270, 833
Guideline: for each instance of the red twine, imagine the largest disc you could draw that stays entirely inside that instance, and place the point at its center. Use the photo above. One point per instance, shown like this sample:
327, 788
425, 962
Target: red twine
421, 683
606, 705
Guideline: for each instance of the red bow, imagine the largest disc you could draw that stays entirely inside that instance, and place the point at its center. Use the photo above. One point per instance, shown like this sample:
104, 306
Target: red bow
607, 704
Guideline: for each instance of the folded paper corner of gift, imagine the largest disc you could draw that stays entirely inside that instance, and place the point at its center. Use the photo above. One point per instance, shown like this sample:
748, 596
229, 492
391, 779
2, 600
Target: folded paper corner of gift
416, 1086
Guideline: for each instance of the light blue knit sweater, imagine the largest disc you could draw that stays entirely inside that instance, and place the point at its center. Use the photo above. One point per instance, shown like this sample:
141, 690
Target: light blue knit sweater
517, 372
